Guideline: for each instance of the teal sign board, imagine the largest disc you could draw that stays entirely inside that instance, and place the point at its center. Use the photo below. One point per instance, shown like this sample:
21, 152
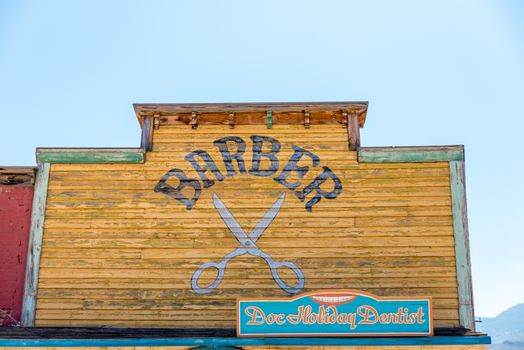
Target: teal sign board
334, 313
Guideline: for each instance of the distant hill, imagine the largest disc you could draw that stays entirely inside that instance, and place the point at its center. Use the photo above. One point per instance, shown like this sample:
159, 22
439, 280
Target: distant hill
506, 330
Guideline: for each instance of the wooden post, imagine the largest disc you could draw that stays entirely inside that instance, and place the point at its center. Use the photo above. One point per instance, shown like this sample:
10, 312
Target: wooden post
462, 255
353, 130
194, 120
147, 133
269, 119
35, 245
156, 121
307, 119
231, 120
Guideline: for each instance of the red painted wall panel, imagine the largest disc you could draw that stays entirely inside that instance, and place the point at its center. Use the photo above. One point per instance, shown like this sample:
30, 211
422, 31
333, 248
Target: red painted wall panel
15, 220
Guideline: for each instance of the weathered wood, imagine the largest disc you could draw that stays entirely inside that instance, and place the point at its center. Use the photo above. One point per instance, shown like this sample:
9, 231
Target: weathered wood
353, 131
353, 173
194, 120
16, 201
159, 166
269, 119
273, 243
107, 231
257, 269
246, 184
219, 130
17, 175
298, 232
146, 141
156, 121
220, 338
189, 223
307, 119
231, 120
251, 113
411, 154
90, 155
94, 294
35, 245
135, 322
460, 225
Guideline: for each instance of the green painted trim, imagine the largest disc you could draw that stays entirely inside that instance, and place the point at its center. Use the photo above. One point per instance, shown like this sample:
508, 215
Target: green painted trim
90, 155
269, 119
216, 342
35, 245
410, 154
462, 256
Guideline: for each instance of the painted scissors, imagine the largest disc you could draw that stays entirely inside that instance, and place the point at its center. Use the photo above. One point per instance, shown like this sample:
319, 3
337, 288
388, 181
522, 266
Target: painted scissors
248, 246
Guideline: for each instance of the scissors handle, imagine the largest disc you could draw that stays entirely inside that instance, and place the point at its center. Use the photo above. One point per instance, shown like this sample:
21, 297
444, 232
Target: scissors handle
275, 265
221, 267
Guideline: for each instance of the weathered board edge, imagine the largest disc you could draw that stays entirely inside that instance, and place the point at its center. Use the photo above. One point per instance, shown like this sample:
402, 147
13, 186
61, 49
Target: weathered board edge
170, 110
146, 140
411, 154
361, 106
462, 254
35, 245
231, 341
17, 176
90, 155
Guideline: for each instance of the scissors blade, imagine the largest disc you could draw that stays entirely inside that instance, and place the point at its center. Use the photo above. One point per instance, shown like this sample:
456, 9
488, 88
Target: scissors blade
231, 222
266, 220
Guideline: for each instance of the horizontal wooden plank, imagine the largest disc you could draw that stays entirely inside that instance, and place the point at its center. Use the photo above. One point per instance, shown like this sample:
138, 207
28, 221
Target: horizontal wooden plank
157, 108
219, 294
93, 253
177, 135
229, 283
286, 253
286, 216
139, 223
259, 272
411, 154
151, 222
226, 315
151, 174
169, 304
220, 131
212, 233
159, 166
198, 243
247, 184
355, 193
214, 253
187, 340
302, 343
75, 202
184, 323
307, 141
90, 155
376, 263
404, 221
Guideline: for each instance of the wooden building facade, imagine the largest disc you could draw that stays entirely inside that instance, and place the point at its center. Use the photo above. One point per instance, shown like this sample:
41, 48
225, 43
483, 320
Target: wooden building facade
16, 200
134, 237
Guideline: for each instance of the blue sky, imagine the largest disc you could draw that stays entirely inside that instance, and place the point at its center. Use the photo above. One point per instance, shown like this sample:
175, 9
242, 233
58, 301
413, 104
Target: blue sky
434, 72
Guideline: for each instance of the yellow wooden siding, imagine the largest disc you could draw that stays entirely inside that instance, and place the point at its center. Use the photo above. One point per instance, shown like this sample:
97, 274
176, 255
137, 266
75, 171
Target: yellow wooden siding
117, 253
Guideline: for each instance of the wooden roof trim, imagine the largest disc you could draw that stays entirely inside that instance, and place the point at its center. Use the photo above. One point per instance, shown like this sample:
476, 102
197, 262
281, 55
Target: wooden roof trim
172, 110
411, 154
90, 155
17, 175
